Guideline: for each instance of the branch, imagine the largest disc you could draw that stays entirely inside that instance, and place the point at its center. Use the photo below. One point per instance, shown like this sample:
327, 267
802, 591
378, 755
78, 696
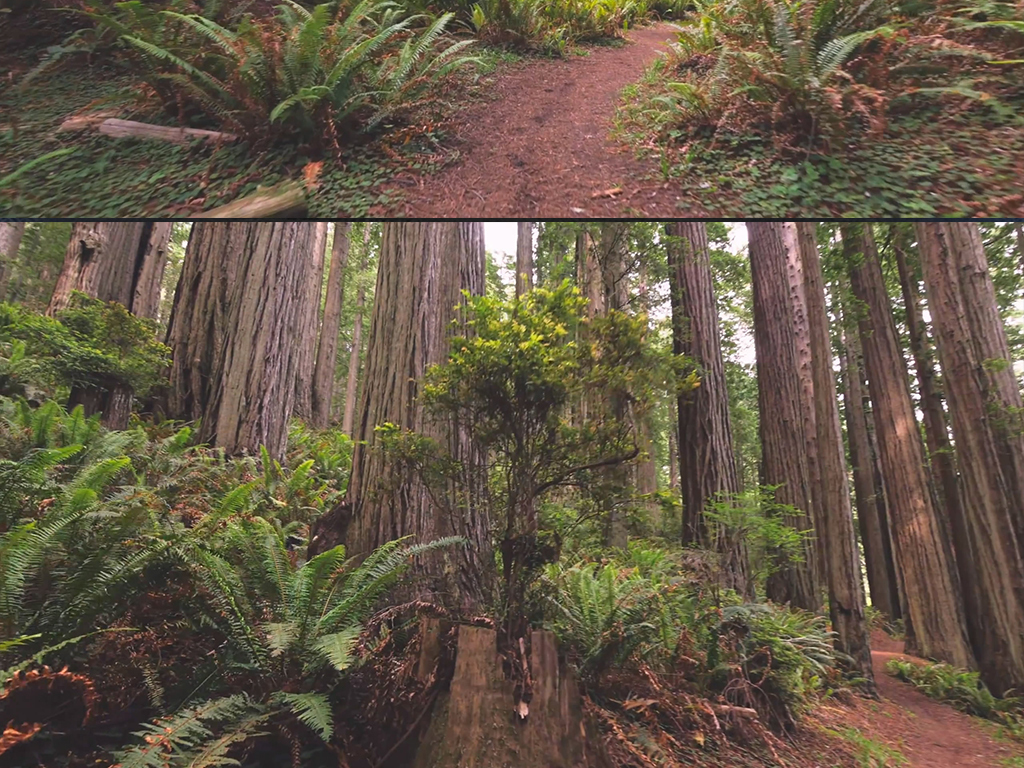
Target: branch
583, 468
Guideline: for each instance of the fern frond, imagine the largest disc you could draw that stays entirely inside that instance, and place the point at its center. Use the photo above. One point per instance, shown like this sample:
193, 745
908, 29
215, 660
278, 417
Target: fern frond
313, 710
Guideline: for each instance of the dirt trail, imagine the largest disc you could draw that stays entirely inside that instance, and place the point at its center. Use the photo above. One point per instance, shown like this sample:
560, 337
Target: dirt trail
928, 733
539, 147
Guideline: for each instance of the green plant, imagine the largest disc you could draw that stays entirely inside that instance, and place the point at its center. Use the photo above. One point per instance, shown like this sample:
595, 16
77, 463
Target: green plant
961, 688
870, 753
310, 74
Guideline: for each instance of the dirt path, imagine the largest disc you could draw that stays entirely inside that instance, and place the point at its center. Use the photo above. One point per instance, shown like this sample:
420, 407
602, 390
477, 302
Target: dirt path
540, 148
928, 733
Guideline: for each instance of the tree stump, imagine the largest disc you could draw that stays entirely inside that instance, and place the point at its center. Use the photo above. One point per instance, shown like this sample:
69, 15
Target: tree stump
475, 725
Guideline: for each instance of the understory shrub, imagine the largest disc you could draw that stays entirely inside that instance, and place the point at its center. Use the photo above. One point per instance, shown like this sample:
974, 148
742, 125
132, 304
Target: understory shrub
315, 76
962, 689
167, 582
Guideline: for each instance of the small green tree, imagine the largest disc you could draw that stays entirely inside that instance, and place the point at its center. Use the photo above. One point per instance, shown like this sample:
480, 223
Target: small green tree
514, 381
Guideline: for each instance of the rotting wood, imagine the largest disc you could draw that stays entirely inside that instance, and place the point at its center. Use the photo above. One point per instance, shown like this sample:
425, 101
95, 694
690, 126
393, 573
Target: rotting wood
132, 129
287, 198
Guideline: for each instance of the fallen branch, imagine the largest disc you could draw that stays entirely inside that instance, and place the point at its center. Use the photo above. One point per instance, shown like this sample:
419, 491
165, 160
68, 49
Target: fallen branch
120, 129
285, 199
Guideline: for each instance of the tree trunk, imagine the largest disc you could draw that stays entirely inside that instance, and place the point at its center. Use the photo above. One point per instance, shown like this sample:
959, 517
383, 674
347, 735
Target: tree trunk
707, 465
784, 447
801, 328
934, 607
243, 296
524, 258
100, 261
842, 563
673, 451
611, 255
327, 348
10, 241
355, 354
940, 451
423, 269
149, 269
646, 469
309, 325
986, 411
871, 512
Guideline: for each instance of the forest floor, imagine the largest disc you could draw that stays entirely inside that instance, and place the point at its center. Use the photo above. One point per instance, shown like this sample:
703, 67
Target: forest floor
927, 733
538, 146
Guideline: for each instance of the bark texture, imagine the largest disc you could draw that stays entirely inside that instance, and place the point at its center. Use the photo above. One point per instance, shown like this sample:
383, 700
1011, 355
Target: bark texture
10, 241
707, 468
783, 440
872, 516
355, 353
524, 258
842, 563
309, 324
422, 271
327, 346
933, 606
986, 412
149, 269
473, 725
241, 305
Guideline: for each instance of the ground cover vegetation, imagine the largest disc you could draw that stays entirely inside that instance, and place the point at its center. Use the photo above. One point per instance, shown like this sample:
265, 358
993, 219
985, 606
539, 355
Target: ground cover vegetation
909, 109
758, 108
511, 519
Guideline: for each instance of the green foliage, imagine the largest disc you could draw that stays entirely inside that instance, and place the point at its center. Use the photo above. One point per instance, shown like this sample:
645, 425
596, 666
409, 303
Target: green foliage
309, 75
870, 753
91, 344
963, 690
99, 527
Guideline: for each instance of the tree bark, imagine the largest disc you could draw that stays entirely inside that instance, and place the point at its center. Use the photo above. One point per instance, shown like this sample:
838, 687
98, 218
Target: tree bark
798, 301
524, 258
309, 325
940, 451
10, 241
872, 517
611, 255
327, 347
842, 563
934, 607
241, 303
423, 269
784, 446
707, 468
355, 354
988, 426
149, 269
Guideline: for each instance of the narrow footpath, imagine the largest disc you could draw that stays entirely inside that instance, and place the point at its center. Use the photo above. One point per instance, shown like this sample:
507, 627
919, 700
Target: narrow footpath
537, 146
928, 733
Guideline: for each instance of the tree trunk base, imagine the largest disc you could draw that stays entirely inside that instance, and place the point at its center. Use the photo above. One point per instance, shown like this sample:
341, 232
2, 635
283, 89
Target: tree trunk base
475, 723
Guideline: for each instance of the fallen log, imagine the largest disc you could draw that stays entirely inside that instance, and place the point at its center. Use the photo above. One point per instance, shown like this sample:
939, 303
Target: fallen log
285, 199
121, 129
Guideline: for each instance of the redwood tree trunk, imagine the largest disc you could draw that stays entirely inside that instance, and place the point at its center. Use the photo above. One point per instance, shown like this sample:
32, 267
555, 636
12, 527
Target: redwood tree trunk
327, 348
707, 465
934, 607
841, 560
10, 241
872, 517
309, 324
149, 269
783, 442
611, 255
355, 353
243, 293
423, 269
988, 426
524, 258
940, 450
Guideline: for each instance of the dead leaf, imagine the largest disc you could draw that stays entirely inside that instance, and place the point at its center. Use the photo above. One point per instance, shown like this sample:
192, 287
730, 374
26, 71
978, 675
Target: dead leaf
14, 735
311, 174
608, 193
638, 703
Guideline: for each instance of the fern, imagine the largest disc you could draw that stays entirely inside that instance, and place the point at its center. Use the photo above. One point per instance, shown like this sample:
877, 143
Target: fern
313, 710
